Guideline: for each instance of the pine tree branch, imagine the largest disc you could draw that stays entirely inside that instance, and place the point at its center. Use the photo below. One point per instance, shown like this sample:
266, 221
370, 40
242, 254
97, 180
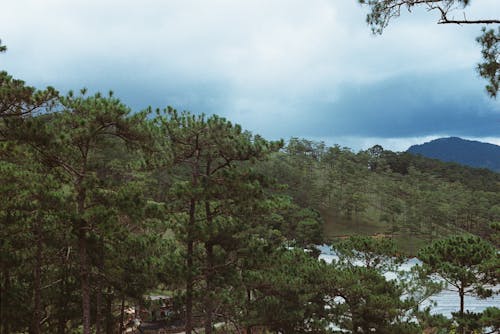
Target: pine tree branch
465, 21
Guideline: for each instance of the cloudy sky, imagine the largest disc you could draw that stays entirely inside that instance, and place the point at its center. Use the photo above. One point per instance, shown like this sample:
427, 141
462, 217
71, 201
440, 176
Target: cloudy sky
280, 68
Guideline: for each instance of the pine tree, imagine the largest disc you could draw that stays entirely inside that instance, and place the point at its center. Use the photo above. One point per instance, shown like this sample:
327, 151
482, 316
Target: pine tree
68, 140
466, 263
211, 190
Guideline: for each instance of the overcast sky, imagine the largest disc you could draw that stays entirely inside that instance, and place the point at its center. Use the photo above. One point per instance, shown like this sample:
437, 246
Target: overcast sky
280, 68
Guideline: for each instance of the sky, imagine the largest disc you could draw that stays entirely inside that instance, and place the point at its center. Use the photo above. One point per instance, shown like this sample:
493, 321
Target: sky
280, 68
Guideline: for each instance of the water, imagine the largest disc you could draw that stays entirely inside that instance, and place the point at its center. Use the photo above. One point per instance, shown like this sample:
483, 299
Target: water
446, 301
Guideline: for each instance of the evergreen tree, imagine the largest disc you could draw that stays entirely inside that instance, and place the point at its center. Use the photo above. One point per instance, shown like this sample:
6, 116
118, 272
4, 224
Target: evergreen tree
69, 141
466, 263
286, 292
211, 192
32, 210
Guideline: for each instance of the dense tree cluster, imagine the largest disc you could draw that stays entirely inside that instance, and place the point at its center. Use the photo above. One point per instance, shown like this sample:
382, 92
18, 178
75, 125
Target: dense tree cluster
102, 207
409, 198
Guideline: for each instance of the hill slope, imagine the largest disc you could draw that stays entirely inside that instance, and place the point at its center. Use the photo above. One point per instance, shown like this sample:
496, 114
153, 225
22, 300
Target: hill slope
410, 198
466, 152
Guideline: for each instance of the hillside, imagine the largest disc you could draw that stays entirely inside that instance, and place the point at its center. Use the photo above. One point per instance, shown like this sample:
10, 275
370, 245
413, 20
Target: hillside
410, 198
465, 152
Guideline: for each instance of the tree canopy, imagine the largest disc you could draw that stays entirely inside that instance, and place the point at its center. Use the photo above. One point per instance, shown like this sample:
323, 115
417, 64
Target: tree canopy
468, 264
104, 207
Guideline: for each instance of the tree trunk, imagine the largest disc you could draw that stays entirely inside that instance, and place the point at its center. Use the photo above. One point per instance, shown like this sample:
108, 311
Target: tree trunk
461, 293
37, 277
1, 301
82, 250
3, 287
7, 324
209, 268
99, 289
248, 328
209, 287
122, 315
461, 302
355, 327
98, 315
85, 280
109, 314
190, 244
61, 321
189, 267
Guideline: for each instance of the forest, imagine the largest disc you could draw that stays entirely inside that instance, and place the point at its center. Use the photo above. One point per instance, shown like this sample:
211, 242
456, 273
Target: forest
103, 207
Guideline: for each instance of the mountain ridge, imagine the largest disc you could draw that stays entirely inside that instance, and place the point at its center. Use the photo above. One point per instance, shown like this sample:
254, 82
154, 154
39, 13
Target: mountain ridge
462, 151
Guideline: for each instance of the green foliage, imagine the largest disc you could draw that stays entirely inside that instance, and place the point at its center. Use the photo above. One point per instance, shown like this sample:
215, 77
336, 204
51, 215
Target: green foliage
379, 254
285, 293
101, 206
466, 263
373, 302
495, 226
383, 11
303, 227
218, 198
409, 198
17, 99
490, 319
434, 322
490, 68
487, 321
70, 143
363, 300
32, 208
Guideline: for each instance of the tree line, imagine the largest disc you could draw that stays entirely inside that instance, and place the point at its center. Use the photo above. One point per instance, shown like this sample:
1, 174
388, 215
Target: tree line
102, 206
399, 195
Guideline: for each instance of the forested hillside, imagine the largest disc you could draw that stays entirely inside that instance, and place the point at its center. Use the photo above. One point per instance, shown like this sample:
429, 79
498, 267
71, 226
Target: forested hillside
103, 207
410, 198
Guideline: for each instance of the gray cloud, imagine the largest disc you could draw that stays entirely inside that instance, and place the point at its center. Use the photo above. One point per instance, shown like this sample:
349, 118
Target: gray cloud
416, 106
278, 67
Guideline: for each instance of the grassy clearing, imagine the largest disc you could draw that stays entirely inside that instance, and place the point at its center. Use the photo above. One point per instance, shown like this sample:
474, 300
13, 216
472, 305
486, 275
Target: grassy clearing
337, 227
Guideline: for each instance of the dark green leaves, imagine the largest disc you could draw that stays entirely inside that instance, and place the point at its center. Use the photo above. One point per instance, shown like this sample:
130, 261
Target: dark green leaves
490, 67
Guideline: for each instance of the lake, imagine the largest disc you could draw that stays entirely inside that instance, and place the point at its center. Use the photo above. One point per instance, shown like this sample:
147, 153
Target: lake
447, 301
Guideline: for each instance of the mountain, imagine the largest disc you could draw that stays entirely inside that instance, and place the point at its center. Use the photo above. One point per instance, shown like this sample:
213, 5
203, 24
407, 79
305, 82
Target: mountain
466, 152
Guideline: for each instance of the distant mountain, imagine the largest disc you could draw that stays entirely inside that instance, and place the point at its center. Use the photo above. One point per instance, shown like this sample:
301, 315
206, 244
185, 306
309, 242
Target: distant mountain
465, 152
